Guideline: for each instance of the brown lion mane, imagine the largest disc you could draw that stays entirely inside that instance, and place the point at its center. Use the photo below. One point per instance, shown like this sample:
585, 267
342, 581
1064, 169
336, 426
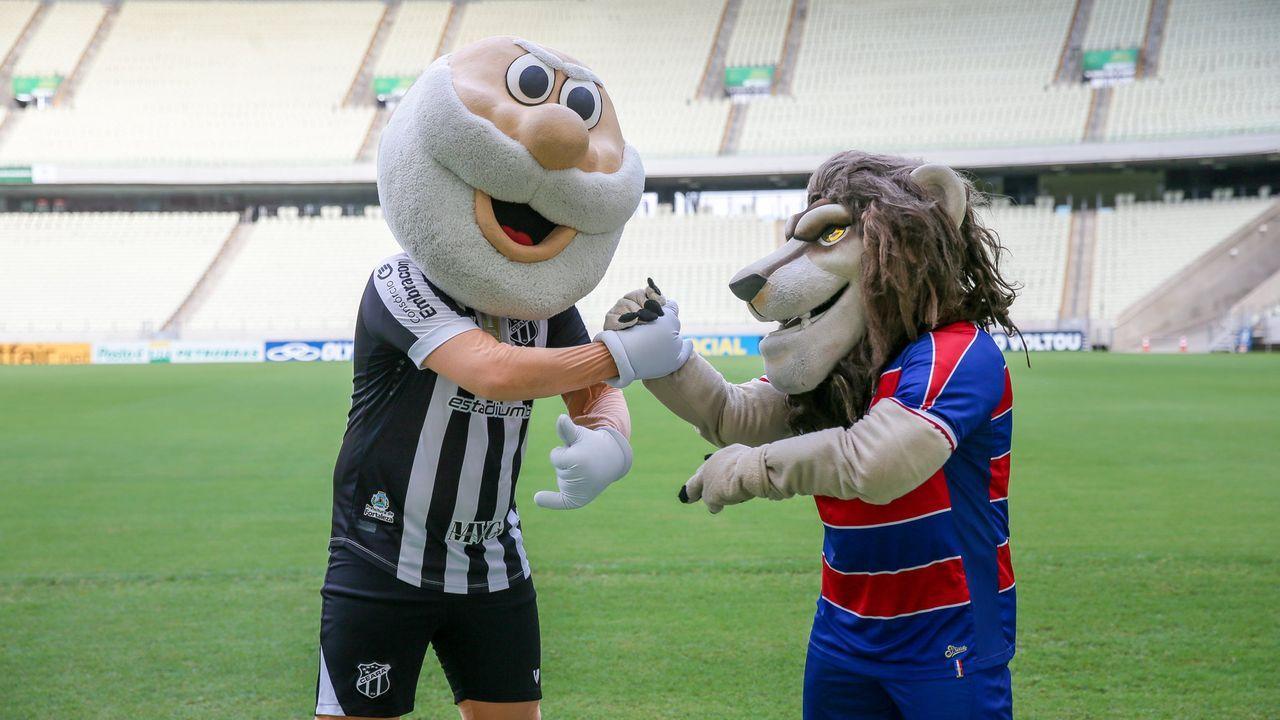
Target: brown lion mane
918, 273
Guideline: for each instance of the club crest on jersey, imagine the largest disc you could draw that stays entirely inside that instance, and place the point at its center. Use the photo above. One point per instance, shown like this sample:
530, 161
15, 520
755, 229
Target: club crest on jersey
522, 332
374, 679
377, 508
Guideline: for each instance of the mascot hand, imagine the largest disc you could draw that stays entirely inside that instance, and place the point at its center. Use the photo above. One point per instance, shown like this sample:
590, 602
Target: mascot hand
587, 463
637, 306
651, 346
731, 476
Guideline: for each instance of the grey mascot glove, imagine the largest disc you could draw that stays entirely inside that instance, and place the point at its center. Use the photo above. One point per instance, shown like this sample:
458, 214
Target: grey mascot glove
587, 463
648, 345
730, 476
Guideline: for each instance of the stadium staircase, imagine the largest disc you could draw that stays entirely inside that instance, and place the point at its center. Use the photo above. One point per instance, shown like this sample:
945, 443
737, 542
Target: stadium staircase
361, 91
200, 291
1099, 108
67, 90
1072, 54
733, 127
11, 59
369, 146
712, 84
1193, 302
791, 47
1078, 283
1153, 40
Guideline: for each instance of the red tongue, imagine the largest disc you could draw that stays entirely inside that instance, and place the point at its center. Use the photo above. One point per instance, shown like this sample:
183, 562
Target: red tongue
521, 238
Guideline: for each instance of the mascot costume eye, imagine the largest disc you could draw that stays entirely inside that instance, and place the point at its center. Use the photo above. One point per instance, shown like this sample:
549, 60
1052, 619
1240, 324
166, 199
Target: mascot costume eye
885, 398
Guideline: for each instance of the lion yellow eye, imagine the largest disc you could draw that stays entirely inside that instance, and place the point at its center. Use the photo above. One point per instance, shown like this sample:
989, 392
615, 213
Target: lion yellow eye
832, 235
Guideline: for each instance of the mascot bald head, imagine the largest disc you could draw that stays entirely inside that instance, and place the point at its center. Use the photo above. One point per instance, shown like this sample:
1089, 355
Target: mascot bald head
503, 173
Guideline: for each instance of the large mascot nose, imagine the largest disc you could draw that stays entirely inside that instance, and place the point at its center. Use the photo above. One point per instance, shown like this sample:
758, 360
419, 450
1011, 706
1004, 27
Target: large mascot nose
555, 135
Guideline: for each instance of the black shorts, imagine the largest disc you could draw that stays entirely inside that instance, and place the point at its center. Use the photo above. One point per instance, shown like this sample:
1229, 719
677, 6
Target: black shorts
374, 632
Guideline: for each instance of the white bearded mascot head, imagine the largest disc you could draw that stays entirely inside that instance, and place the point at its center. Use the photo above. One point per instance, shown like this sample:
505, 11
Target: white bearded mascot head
503, 173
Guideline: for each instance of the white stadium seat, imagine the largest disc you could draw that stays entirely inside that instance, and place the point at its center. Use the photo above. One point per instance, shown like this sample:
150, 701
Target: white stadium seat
294, 278
1219, 73
97, 276
1141, 245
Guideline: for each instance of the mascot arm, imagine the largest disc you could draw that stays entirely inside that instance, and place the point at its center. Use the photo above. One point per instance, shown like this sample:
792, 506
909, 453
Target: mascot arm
752, 413
497, 371
599, 406
885, 455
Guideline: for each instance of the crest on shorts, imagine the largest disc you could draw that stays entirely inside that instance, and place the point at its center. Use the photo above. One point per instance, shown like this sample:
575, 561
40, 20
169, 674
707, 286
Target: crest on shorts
374, 679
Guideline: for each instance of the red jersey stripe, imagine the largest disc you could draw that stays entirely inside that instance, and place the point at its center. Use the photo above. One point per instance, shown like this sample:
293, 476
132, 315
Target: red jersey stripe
1006, 400
949, 346
886, 595
931, 497
887, 385
999, 486
1004, 563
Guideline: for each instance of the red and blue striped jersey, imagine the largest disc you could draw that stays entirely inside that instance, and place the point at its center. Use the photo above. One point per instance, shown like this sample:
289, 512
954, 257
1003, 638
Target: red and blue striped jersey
923, 586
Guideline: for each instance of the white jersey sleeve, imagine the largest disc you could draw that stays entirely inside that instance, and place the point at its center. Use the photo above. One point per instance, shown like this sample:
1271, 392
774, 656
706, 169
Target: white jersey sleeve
412, 314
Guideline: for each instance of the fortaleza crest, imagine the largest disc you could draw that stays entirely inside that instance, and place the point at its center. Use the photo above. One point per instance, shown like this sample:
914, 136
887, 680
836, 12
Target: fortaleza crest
374, 679
377, 508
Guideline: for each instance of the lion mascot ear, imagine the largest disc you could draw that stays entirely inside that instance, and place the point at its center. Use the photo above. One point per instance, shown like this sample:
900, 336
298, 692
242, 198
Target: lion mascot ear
946, 188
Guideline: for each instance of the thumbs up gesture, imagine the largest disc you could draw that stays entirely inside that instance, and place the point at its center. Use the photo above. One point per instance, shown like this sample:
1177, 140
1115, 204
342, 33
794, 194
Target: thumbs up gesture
587, 463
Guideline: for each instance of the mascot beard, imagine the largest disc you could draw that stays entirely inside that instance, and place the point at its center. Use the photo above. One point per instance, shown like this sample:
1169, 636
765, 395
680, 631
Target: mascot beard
441, 166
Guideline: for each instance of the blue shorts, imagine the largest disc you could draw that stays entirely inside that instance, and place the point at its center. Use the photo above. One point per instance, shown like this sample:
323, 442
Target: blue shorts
832, 692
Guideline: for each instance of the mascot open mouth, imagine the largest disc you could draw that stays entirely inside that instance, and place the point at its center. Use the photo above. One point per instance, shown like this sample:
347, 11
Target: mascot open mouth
803, 321
518, 231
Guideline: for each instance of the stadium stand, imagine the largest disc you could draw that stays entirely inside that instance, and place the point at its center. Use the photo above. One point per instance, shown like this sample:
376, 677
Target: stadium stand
182, 82
1219, 73
13, 19
653, 83
266, 289
758, 34
692, 258
60, 39
1036, 238
1116, 24
101, 275
1139, 245
978, 75
414, 38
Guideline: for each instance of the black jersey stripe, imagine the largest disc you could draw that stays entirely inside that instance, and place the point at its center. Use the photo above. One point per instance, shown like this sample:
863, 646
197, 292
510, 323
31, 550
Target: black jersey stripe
453, 450
478, 571
510, 553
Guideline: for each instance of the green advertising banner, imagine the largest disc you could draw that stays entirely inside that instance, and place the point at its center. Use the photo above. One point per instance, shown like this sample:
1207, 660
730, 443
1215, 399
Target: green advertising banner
1106, 67
389, 86
748, 79
15, 175
35, 84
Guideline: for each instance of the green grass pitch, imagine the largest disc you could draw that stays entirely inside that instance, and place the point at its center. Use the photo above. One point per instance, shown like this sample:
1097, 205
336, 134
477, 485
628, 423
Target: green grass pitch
164, 535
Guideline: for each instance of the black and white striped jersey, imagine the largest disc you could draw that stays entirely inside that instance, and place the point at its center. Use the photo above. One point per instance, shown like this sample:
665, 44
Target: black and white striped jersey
424, 485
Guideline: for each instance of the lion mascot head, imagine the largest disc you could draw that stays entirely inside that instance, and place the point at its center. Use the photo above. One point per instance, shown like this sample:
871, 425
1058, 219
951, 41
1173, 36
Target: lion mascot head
886, 250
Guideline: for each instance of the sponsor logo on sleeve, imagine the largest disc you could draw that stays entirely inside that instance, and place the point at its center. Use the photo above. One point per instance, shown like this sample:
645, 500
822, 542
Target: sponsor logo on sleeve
384, 271
405, 294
